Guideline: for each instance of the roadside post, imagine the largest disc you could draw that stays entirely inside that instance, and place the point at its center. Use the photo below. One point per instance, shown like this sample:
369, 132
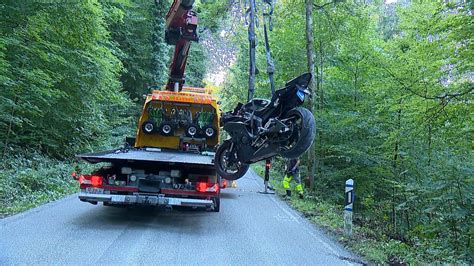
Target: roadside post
349, 205
268, 164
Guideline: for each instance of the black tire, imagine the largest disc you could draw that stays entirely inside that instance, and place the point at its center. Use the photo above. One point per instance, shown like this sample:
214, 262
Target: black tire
148, 127
217, 203
209, 132
191, 130
222, 170
301, 140
166, 129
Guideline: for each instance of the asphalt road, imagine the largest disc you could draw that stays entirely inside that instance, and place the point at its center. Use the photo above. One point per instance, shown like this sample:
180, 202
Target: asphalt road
250, 229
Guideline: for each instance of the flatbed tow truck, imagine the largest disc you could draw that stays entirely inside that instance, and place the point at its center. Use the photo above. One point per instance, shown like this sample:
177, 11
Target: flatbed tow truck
170, 162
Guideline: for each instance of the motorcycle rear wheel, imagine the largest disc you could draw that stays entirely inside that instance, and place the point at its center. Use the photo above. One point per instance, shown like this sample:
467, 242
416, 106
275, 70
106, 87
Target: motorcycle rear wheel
233, 172
304, 132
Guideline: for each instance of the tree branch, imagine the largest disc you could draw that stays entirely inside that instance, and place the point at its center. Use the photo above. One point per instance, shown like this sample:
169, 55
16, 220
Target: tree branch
442, 96
324, 5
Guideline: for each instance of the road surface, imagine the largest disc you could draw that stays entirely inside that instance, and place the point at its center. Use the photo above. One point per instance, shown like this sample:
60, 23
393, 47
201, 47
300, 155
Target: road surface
251, 228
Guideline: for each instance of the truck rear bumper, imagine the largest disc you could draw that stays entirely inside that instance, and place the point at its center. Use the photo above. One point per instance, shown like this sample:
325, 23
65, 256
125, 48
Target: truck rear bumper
140, 199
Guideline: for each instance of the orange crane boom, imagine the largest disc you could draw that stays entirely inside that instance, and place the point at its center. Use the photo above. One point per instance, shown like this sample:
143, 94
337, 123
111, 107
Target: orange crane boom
181, 30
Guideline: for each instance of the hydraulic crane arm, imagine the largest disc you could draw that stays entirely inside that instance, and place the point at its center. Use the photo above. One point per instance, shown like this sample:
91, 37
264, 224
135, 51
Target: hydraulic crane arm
181, 30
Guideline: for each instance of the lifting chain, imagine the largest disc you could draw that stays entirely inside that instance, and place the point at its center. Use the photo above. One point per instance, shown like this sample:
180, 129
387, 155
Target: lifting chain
252, 21
270, 64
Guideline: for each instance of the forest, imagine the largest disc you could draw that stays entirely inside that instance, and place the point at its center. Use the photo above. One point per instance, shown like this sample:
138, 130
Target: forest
393, 91
392, 98
72, 77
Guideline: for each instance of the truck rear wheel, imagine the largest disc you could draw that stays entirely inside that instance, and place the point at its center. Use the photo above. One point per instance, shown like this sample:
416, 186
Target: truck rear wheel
217, 204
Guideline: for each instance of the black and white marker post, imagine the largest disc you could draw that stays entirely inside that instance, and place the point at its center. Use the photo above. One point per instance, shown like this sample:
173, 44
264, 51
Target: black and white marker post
349, 205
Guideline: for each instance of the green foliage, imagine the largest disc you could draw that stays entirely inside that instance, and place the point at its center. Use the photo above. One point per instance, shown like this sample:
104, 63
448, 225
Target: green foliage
196, 69
212, 13
72, 74
132, 27
70, 71
393, 105
63, 88
29, 179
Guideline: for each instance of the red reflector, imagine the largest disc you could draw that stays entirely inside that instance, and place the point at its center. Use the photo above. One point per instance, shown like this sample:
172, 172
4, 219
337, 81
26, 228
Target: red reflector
214, 188
84, 179
224, 183
96, 181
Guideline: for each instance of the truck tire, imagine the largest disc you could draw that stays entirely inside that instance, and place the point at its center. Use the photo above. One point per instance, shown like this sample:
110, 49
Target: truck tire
191, 130
217, 204
148, 127
209, 131
166, 129
303, 137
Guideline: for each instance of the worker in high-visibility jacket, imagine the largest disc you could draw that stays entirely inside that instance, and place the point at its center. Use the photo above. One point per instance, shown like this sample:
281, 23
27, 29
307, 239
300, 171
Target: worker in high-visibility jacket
292, 172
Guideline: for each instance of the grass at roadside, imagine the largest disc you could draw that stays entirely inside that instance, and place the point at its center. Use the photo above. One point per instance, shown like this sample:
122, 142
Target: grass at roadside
365, 240
27, 181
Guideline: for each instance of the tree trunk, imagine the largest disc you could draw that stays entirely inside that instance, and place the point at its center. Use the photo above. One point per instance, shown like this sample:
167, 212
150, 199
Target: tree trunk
320, 91
395, 165
9, 129
310, 55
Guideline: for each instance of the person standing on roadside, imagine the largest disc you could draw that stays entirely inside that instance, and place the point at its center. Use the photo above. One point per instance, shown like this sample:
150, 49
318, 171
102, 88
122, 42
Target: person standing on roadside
292, 173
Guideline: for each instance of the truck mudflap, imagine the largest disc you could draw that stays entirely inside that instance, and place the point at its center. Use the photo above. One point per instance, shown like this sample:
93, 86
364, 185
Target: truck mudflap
144, 199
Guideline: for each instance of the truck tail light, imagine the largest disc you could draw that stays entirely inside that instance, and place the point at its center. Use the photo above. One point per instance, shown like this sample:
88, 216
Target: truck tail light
207, 187
94, 180
201, 186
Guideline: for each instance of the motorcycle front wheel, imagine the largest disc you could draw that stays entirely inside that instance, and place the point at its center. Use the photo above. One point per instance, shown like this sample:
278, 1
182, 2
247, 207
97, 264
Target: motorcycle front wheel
226, 169
304, 131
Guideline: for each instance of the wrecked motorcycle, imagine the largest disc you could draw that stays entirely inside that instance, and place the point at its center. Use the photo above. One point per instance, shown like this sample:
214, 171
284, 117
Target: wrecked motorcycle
261, 129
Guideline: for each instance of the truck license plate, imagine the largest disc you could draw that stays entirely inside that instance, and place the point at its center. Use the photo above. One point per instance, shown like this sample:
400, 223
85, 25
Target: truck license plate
94, 190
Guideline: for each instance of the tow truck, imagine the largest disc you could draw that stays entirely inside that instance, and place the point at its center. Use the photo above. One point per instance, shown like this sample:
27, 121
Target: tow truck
170, 161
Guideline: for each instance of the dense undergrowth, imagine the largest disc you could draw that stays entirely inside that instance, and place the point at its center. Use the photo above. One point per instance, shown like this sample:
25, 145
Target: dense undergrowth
31, 179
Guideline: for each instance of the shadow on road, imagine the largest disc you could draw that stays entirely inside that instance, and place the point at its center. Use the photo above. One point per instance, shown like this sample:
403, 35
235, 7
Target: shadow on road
111, 218
225, 195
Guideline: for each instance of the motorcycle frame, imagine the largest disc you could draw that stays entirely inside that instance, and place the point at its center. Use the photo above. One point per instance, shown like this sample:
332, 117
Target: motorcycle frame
241, 131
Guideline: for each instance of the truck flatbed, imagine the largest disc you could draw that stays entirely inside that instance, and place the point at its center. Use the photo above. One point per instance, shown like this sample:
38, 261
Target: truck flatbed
149, 155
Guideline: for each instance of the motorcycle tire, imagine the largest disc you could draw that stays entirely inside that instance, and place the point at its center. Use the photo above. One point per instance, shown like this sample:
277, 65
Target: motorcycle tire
166, 129
221, 169
191, 130
306, 134
148, 127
